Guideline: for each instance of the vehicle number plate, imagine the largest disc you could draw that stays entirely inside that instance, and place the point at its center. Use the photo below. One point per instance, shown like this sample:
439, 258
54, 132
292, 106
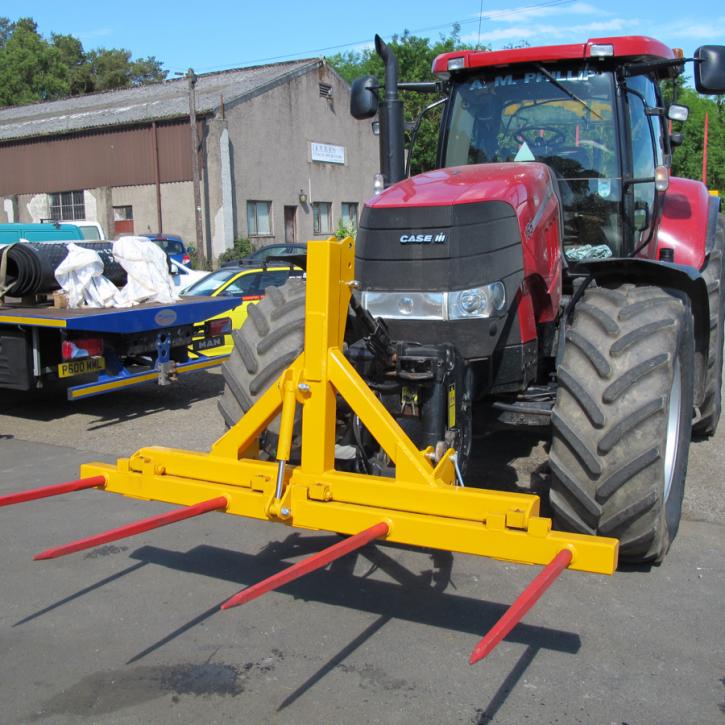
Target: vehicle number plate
208, 342
79, 367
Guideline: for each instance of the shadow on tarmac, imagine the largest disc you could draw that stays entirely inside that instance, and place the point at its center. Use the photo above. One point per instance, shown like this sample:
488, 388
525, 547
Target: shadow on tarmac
338, 586
425, 597
121, 406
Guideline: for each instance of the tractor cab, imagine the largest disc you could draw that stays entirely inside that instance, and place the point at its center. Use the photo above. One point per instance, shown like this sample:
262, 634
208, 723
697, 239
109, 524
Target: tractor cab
594, 116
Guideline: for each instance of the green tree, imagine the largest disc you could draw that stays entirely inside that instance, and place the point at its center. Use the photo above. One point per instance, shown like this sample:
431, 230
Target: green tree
33, 68
687, 159
74, 58
113, 68
30, 68
415, 57
6, 30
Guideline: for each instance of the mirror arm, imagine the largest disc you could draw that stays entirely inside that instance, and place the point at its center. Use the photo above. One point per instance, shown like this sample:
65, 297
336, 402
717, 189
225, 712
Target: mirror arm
631, 180
422, 87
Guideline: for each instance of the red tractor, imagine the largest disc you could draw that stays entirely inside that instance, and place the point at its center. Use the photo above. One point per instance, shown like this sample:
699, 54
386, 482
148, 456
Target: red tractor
550, 268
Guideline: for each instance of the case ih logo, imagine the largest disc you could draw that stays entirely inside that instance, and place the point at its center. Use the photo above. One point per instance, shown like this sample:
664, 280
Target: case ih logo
439, 238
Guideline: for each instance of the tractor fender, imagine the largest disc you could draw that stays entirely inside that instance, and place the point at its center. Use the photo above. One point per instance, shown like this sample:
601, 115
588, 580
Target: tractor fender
683, 278
689, 222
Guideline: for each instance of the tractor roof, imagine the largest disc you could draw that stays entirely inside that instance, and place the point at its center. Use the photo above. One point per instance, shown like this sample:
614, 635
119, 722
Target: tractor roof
631, 47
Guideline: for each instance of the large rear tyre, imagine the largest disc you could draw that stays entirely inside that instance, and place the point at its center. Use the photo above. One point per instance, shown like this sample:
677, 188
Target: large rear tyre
270, 339
622, 419
711, 407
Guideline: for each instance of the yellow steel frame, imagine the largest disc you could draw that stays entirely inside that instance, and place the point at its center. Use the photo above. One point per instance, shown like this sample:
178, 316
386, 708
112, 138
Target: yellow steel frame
422, 504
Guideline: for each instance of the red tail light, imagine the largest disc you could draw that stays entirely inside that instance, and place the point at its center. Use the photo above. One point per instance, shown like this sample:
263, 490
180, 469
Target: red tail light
82, 347
186, 260
222, 326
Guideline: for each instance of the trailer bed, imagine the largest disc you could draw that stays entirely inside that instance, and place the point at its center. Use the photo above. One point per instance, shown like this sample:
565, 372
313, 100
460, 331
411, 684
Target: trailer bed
143, 317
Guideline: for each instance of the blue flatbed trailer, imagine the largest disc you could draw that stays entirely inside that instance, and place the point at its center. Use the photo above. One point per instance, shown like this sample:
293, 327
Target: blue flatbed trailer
104, 349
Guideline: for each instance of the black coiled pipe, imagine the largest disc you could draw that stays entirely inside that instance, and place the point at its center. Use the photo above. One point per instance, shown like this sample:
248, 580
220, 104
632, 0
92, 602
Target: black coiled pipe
31, 265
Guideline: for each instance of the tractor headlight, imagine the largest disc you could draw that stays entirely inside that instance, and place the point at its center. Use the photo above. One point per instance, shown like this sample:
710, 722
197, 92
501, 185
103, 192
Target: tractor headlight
405, 305
478, 302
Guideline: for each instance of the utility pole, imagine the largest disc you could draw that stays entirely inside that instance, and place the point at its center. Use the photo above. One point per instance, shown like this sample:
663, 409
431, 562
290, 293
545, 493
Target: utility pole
200, 250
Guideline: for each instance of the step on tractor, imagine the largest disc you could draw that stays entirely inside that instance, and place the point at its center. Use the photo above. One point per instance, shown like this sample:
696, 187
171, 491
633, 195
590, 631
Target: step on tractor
549, 271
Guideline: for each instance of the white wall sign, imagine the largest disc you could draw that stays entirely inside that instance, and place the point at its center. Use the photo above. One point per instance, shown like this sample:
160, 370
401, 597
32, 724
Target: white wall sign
327, 153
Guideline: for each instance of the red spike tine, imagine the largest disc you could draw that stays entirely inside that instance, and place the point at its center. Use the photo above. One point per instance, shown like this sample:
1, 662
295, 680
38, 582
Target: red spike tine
153, 522
54, 490
515, 613
311, 563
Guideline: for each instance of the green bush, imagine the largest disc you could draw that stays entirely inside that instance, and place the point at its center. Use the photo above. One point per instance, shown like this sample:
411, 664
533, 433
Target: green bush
343, 231
241, 248
194, 257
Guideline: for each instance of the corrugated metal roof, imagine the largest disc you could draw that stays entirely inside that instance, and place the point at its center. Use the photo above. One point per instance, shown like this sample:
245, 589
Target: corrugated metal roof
169, 99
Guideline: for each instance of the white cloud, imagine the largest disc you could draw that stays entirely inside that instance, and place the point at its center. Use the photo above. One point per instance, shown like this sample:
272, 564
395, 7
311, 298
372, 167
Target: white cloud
514, 32
527, 12
549, 32
613, 25
690, 28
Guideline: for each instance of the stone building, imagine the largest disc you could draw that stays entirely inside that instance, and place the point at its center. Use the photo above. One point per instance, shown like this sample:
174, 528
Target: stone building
280, 158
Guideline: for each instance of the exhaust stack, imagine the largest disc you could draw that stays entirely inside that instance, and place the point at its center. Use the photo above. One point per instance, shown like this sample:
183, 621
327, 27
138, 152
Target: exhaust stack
392, 145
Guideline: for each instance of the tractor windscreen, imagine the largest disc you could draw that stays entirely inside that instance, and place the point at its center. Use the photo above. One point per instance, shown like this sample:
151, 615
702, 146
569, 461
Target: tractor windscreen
563, 118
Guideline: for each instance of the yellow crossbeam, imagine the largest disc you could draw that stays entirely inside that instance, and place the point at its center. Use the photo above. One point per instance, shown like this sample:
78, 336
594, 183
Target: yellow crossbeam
421, 505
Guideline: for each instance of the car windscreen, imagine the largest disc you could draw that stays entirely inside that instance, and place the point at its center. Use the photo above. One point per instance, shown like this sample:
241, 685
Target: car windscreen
170, 246
210, 283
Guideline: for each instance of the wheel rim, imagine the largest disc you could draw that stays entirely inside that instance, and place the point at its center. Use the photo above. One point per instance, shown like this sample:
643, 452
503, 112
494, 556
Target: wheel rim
673, 427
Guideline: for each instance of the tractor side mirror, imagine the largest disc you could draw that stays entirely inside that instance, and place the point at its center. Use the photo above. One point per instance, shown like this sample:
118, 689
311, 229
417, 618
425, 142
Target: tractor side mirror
710, 69
641, 216
676, 139
364, 97
676, 112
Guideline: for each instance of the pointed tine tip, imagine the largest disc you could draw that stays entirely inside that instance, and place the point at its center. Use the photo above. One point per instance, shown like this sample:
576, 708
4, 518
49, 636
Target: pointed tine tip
523, 603
308, 565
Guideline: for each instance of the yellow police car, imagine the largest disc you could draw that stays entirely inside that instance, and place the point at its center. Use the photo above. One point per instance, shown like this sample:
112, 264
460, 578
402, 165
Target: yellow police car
248, 282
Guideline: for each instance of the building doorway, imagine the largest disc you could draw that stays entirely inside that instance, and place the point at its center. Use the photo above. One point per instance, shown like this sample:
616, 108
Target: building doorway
122, 220
290, 224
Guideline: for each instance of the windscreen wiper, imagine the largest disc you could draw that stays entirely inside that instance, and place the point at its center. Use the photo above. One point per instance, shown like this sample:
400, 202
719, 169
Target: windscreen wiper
569, 93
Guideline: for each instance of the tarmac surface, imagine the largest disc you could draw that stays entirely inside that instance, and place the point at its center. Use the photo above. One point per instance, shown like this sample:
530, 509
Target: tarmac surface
131, 632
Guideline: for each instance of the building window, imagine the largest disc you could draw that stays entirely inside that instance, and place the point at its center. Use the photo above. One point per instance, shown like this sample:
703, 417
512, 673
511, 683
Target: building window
67, 206
259, 218
122, 213
122, 220
322, 217
325, 90
349, 215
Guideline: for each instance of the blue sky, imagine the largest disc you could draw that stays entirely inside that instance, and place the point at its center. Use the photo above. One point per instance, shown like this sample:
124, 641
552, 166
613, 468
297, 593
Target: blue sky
183, 34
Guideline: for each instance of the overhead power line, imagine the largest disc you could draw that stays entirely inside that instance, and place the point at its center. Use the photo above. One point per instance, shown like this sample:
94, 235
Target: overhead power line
492, 15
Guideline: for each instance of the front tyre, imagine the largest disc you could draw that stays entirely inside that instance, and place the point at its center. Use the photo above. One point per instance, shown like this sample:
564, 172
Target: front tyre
270, 339
622, 418
706, 424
